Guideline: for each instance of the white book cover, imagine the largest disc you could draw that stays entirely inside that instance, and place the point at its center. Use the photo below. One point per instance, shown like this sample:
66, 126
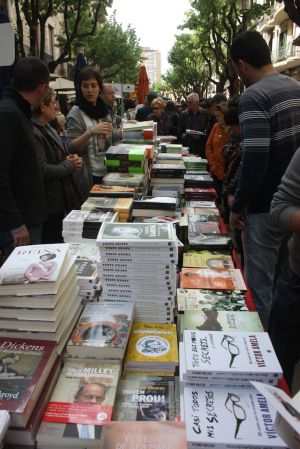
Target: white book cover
33, 264
85, 250
229, 418
75, 216
287, 421
128, 234
230, 352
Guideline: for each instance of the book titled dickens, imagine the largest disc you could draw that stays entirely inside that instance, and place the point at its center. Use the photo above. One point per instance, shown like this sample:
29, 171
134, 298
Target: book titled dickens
33, 269
24, 367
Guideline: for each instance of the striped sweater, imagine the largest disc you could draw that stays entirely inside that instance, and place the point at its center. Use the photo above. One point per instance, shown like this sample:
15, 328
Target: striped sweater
270, 126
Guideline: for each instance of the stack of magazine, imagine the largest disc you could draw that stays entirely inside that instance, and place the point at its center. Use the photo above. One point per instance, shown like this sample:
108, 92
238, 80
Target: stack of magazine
83, 225
138, 263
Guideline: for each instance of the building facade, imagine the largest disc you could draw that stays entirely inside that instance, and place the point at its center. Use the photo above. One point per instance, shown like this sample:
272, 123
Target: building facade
152, 61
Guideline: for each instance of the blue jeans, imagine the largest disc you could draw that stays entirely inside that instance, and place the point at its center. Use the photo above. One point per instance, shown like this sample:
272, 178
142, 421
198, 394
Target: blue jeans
284, 325
6, 240
262, 243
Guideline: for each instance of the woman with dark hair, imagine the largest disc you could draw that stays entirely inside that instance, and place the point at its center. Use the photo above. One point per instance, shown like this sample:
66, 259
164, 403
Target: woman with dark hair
57, 169
87, 129
211, 322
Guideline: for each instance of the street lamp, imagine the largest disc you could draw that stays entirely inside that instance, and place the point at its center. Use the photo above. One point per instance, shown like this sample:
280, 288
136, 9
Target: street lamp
245, 8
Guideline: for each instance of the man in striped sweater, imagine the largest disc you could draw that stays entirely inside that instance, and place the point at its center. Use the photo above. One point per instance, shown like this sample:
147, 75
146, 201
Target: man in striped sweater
269, 113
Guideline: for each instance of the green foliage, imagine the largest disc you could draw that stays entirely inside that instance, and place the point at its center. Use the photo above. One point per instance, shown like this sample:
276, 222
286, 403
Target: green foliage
116, 52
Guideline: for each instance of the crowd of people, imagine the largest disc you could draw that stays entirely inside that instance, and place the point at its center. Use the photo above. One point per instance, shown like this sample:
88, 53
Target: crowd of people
49, 162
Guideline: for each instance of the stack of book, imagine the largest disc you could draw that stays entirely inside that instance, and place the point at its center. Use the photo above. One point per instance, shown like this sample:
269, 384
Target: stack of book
102, 332
29, 370
111, 191
172, 148
134, 180
138, 263
152, 348
80, 406
154, 206
201, 213
168, 175
83, 225
140, 132
121, 205
167, 158
86, 258
39, 294
195, 164
203, 180
127, 158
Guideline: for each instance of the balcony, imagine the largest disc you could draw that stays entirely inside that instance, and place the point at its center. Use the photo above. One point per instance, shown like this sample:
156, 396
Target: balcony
286, 57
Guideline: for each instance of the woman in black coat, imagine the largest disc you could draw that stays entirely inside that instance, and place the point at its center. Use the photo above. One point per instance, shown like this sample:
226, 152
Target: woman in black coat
57, 168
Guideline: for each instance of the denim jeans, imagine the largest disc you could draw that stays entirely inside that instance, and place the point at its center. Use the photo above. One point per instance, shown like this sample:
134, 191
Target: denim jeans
6, 240
262, 243
284, 324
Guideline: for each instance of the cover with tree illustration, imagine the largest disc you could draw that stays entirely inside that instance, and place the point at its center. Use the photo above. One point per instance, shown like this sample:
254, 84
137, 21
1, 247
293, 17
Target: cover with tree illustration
194, 299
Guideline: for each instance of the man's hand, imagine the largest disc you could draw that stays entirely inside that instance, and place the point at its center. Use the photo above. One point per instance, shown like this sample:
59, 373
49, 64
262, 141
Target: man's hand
236, 221
76, 161
21, 237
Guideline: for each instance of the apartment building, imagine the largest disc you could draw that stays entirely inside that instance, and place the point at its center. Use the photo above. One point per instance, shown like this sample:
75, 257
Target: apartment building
152, 61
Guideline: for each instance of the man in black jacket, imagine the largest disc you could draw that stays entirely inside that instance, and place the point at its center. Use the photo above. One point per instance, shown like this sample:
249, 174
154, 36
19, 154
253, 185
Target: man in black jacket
22, 202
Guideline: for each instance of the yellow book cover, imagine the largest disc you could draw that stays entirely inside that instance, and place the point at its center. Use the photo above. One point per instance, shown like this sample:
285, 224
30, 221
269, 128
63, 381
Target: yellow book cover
207, 259
124, 205
152, 342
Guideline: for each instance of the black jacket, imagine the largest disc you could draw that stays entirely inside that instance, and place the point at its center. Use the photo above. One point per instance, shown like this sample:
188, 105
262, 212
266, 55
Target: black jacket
22, 199
49, 148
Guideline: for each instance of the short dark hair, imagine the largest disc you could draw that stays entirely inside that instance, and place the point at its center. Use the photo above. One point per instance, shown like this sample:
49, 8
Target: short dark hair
88, 73
217, 99
231, 116
28, 73
251, 47
151, 96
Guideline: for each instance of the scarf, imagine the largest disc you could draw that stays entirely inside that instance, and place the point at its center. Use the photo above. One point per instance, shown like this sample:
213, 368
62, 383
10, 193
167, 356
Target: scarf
100, 110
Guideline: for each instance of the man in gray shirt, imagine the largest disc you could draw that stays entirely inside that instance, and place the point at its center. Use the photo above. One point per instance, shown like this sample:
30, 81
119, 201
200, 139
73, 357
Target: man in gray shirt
284, 325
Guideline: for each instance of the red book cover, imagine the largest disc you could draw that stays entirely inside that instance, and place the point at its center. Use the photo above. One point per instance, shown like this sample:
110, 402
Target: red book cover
24, 367
205, 278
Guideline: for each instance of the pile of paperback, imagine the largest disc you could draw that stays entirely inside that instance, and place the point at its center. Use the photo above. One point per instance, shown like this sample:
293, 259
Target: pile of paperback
138, 263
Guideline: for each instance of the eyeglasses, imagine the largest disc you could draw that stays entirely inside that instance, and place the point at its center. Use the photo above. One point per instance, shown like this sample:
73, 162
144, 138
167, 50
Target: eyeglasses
227, 343
239, 412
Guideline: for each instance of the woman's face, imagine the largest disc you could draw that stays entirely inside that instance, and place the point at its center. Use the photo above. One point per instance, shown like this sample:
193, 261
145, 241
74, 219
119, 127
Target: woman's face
157, 110
90, 90
49, 111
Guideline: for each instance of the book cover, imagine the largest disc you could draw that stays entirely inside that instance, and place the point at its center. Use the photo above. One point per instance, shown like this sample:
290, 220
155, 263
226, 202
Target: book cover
220, 321
24, 366
152, 342
33, 264
122, 205
149, 233
203, 228
145, 400
241, 353
145, 435
193, 299
207, 259
88, 251
138, 126
84, 394
125, 179
111, 191
229, 418
102, 326
208, 240
211, 279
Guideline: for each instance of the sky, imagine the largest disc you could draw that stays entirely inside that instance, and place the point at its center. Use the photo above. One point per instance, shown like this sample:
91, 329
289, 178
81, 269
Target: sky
155, 22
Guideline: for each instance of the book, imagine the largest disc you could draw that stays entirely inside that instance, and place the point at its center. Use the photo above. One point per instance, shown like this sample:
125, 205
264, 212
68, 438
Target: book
138, 126
202, 218
229, 418
142, 399
145, 435
152, 345
207, 259
208, 241
33, 269
102, 331
4, 423
112, 191
287, 420
219, 321
125, 179
211, 279
84, 395
197, 228
27, 436
122, 205
223, 354
127, 234
193, 299
24, 367
127, 152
